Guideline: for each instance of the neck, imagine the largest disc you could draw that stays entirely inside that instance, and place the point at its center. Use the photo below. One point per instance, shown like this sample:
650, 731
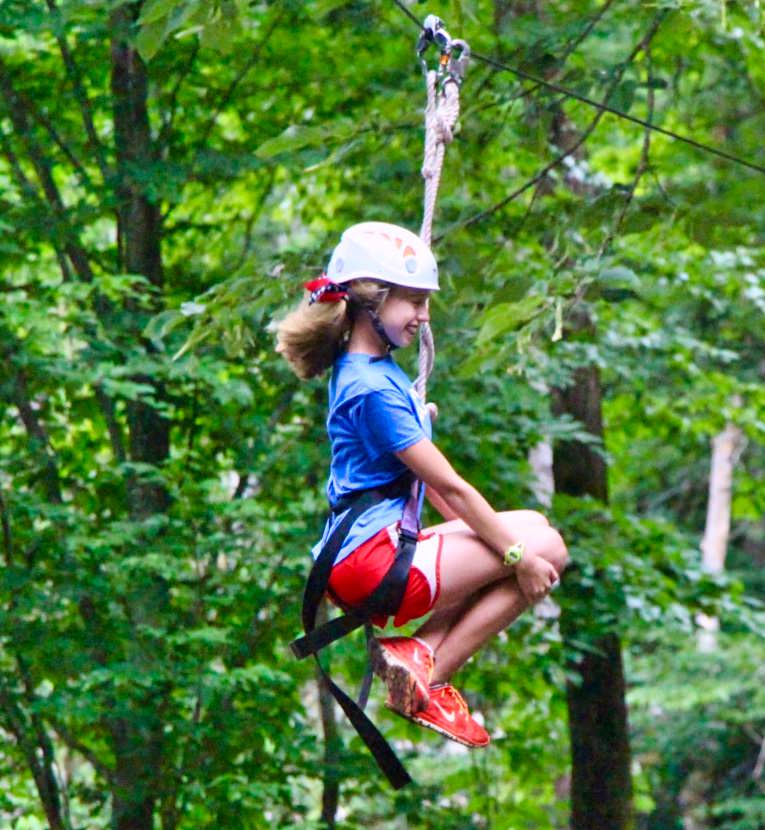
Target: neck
365, 340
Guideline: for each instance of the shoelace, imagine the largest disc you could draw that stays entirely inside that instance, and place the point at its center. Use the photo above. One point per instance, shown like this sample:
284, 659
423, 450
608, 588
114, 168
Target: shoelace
430, 664
453, 693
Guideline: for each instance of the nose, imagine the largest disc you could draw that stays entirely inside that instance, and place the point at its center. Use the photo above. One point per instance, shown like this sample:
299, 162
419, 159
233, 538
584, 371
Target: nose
423, 313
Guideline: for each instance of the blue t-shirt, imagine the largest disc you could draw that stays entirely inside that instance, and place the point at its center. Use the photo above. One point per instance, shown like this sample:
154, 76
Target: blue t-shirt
374, 412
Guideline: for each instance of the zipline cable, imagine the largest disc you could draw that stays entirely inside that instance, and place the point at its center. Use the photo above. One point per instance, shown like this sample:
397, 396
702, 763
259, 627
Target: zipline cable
569, 93
707, 148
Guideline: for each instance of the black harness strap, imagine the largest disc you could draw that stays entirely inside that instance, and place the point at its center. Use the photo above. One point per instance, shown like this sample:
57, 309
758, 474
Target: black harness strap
366, 684
385, 599
387, 596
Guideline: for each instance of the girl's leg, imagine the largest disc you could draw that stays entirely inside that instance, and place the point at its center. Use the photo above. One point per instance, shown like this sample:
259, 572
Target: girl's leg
442, 619
479, 595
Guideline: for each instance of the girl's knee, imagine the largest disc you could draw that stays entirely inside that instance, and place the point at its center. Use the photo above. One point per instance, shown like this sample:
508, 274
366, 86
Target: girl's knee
533, 529
555, 550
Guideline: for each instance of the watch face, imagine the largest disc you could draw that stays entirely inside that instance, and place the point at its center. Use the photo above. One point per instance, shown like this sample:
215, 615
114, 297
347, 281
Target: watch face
513, 554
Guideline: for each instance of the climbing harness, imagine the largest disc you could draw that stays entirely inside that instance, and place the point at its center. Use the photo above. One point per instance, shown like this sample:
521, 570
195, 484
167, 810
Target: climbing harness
384, 600
442, 110
419, 271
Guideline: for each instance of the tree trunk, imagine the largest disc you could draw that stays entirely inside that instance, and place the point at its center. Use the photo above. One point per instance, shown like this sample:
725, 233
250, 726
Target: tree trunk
540, 460
135, 774
726, 446
140, 234
137, 738
601, 787
543, 479
37, 749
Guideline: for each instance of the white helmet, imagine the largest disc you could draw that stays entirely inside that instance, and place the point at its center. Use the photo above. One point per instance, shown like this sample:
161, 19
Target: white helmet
379, 250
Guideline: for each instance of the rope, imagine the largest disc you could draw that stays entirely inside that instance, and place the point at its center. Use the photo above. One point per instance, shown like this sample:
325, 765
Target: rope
441, 113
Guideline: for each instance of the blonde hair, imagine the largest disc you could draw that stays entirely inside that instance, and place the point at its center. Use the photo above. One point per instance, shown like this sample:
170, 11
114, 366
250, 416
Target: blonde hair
311, 336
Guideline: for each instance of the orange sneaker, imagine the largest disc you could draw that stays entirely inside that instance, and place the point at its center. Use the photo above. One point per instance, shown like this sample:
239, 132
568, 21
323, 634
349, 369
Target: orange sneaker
448, 714
406, 666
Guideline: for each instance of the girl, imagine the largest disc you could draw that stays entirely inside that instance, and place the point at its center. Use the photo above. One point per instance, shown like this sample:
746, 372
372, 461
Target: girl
475, 573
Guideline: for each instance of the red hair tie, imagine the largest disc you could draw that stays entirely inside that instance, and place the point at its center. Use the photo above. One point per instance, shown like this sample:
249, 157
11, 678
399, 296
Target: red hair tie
323, 290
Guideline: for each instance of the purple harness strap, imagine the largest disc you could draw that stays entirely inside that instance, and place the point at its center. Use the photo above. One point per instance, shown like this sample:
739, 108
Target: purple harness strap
409, 520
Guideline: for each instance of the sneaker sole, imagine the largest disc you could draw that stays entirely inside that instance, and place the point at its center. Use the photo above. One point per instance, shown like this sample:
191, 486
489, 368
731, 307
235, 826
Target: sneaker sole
428, 725
404, 693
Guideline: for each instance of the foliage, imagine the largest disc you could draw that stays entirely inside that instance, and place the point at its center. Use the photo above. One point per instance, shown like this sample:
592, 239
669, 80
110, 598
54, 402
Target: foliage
271, 126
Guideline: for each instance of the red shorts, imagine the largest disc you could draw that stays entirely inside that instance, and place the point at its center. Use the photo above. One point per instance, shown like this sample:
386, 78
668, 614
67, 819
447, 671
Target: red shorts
354, 579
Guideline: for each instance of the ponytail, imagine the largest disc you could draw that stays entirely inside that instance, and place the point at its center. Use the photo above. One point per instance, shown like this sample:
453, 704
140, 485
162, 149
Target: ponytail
312, 336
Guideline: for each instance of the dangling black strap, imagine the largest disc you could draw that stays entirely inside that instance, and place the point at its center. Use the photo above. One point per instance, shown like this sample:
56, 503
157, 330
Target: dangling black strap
386, 758
366, 683
385, 599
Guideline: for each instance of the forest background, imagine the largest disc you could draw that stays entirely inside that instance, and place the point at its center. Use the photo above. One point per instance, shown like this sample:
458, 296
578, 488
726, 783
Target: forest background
170, 173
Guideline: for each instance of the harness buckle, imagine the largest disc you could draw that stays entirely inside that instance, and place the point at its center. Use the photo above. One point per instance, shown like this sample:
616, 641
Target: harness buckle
407, 536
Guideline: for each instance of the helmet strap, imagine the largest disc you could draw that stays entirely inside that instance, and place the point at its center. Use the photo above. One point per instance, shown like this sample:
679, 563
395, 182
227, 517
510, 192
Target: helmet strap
378, 326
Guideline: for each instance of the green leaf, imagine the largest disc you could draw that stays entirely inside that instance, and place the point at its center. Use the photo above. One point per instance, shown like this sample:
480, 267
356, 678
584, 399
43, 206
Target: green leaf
220, 34
154, 10
558, 332
619, 276
623, 96
295, 137
150, 39
302, 136
505, 317
162, 324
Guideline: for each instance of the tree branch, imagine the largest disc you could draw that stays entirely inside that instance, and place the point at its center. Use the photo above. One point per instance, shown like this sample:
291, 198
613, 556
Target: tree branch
42, 772
249, 64
644, 158
571, 47
250, 223
478, 217
46, 124
166, 129
7, 537
73, 743
115, 434
26, 186
75, 77
19, 116
38, 435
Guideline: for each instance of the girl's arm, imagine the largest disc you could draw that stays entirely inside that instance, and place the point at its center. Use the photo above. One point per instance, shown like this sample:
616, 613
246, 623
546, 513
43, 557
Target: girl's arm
431, 494
461, 499
429, 464
439, 503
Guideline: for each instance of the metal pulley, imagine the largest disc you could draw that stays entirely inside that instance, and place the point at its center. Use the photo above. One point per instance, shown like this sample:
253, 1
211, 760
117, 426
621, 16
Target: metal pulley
454, 52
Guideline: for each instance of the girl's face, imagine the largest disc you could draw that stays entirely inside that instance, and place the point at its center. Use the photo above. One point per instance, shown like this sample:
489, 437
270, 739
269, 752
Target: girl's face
402, 314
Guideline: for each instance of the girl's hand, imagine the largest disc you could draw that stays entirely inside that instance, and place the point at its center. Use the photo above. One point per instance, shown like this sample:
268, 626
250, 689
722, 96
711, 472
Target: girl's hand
536, 577
433, 410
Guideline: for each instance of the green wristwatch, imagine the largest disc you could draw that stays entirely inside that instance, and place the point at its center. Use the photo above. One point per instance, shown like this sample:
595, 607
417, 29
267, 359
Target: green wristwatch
514, 554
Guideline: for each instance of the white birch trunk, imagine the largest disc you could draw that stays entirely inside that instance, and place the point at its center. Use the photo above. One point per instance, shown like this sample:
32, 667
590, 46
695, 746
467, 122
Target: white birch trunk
726, 448
542, 483
543, 488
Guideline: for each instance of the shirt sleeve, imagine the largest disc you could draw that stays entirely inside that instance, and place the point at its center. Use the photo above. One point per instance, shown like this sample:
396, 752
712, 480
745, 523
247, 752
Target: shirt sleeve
386, 423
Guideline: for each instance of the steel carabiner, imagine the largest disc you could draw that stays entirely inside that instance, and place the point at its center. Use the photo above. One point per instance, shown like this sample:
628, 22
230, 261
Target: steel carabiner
449, 67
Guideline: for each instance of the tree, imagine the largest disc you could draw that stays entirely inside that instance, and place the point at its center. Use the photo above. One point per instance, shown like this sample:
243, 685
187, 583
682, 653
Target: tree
156, 512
